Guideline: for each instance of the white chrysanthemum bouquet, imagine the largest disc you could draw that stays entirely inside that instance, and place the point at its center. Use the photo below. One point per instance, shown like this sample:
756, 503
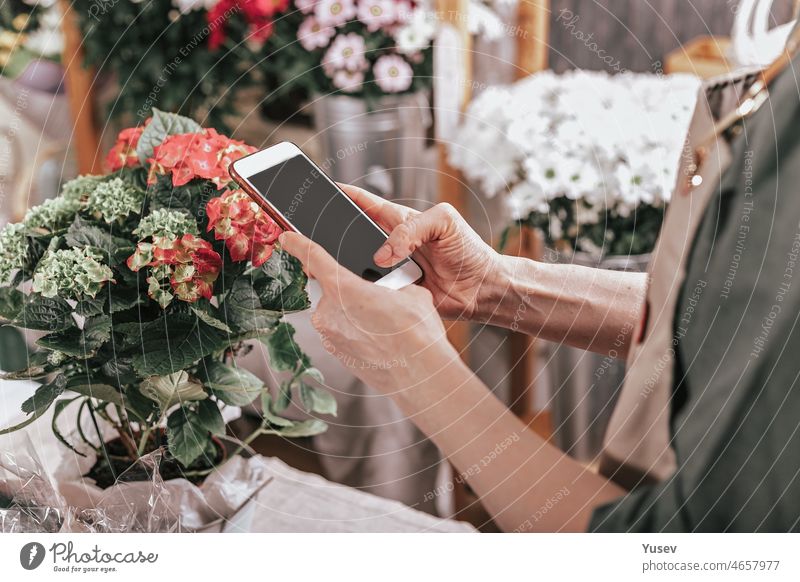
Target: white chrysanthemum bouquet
589, 158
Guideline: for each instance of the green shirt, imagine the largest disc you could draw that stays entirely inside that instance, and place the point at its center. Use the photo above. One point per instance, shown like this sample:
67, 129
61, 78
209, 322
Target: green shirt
736, 403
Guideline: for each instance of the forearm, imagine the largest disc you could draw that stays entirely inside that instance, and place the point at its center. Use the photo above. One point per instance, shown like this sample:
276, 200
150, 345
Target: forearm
593, 309
525, 483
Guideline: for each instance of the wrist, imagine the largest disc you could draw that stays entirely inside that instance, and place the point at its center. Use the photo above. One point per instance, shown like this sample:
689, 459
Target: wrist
437, 370
507, 287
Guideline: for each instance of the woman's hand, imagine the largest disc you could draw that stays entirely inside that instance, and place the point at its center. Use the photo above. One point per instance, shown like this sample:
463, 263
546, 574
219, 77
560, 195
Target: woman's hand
389, 339
455, 260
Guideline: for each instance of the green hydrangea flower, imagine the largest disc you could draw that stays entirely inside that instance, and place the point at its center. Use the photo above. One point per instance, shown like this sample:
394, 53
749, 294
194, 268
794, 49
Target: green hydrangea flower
53, 214
71, 273
81, 187
56, 358
115, 200
13, 248
166, 223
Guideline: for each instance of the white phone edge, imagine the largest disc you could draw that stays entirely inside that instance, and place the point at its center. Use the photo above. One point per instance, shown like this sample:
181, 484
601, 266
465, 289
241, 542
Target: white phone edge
407, 274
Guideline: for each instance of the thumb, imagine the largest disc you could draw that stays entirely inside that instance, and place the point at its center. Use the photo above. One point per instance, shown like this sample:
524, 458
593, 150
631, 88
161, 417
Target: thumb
420, 229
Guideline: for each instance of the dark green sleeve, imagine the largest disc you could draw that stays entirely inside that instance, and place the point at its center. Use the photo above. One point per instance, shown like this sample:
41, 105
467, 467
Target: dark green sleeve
651, 508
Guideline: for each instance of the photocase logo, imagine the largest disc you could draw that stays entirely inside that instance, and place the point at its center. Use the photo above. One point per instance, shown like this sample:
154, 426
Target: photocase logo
31, 555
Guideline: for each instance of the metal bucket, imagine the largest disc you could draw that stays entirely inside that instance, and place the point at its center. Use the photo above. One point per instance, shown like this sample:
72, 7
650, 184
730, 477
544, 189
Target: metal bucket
585, 385
379, 148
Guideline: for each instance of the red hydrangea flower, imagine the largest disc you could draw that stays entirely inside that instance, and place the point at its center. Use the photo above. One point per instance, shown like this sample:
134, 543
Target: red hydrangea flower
248, 231
205, 155
123, 154
188, 263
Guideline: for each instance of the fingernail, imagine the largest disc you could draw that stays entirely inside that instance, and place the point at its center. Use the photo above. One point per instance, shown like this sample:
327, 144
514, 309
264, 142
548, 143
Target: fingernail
281, 237
384, 254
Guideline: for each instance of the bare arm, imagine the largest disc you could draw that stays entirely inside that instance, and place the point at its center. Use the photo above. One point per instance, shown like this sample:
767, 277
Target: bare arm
525, 483
592, 309
515, 472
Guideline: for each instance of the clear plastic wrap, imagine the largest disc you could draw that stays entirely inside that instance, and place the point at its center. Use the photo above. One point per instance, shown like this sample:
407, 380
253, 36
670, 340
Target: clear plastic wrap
31, 501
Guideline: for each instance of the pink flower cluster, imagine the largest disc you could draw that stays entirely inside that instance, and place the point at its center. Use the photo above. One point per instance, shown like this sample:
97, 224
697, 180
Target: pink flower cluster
344, 54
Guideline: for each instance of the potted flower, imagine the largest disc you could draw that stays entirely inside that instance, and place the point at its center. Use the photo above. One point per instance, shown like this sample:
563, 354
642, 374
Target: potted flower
590, 160
185, 56
367, 66
147, 282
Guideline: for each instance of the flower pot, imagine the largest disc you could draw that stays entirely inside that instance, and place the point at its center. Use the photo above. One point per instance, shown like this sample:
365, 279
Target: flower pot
585, 385
378, 147
116, 466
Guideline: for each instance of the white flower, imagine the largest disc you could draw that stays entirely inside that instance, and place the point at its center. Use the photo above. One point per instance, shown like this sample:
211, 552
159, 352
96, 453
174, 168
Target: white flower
607, 143
313, 36
346, 52
377, 14
334, 12
483, 21
71, 273
47, 40
525, 198
53, 214
306, 6
164, 222
347, 81
393, 74
13, 248
187, 6
416, 34
115, 200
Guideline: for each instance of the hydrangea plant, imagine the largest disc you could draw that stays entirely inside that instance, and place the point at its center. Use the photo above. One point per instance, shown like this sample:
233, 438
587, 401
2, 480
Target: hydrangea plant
148, 283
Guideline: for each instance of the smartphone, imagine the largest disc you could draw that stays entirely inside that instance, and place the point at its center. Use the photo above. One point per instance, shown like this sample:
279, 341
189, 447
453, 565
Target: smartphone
300, 197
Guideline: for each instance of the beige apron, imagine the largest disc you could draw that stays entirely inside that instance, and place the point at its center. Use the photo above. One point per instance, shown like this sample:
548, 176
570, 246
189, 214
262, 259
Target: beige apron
637, 446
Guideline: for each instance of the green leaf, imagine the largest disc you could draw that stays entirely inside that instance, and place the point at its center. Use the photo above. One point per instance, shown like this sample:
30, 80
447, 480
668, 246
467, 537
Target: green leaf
209, 417
209, 316
284, 353
234, 386
244, 314
268, 412
122, 298
173, 343
38, 367
284, 395
317, 399
38, 404
139, 405
281, 284
306, 428
91, 306
172, 389
11, 303
187, 436
82, 234
45, 314
161, 125
85, 386
81, 343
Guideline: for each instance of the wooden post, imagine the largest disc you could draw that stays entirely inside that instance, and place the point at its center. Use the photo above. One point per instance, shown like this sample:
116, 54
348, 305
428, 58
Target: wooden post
533, 21
454, 90
80, 93
533, 28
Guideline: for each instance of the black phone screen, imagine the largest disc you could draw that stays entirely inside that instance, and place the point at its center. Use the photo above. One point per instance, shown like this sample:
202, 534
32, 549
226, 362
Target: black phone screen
318, 209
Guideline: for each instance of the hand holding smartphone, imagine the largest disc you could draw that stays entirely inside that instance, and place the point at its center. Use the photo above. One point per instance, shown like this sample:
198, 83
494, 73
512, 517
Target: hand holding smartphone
300, 197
